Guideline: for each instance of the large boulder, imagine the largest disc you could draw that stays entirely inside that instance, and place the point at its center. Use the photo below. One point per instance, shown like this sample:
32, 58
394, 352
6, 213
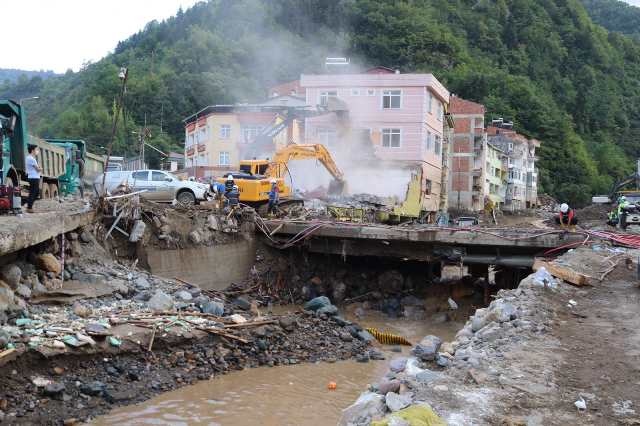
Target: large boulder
397, 365
427, 349
501, 311
48, 263
11, 274
160, 301
369, 406
317, 303
397, 402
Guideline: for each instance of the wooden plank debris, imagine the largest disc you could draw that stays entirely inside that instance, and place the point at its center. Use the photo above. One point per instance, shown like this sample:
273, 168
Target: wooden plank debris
563, 272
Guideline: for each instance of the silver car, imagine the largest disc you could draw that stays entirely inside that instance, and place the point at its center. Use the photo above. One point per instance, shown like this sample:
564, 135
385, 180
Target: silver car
159, 186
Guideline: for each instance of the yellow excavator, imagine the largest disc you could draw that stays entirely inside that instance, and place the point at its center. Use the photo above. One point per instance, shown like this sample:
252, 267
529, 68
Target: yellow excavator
254, 179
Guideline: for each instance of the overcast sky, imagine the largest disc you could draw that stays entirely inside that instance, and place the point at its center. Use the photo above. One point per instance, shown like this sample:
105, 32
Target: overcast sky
62, 34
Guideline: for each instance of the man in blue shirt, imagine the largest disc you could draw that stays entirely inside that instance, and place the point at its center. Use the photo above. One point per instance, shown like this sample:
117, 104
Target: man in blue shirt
274, 197
33, 176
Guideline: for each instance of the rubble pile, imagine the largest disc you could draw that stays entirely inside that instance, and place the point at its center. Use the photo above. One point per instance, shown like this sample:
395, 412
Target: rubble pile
79, 339
441, 371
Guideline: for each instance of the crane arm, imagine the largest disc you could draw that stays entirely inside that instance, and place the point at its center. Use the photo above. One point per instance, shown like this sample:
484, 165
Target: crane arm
304, 152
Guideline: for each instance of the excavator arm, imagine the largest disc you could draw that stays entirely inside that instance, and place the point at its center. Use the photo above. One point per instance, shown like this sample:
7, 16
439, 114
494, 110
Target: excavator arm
277, 168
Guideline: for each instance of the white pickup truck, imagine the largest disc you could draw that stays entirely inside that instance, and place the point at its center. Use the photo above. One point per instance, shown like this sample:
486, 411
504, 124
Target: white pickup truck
159, 186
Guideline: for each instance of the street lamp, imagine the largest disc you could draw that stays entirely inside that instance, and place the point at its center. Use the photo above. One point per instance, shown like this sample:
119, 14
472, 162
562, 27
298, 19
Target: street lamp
28, 99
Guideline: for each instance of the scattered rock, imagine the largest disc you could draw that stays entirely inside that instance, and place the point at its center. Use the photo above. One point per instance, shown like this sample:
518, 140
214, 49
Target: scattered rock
11, 274
368, 406
160, 301
442, 361
427, 348
242, 303
317, 303
397, 365
143, 296
183, 295
386, 386
54, 389
95, 388
85, 237
194, 237
48, 263
376, 355
213, 308
346, 337
237, 319
477, 377
328, 310
23, 291
287, 323
397, 402
142, 283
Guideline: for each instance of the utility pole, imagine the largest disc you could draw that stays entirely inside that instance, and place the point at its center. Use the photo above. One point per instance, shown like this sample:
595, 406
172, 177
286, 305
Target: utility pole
123, 75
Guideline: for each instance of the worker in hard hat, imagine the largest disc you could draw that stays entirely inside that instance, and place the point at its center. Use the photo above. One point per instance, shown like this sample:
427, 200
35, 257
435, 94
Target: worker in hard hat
228, 185
274, 197
233, 197
566, 217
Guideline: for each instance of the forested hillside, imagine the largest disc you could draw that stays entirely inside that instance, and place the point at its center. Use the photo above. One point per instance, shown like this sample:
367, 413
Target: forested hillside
543, 63
615, 15
10, 75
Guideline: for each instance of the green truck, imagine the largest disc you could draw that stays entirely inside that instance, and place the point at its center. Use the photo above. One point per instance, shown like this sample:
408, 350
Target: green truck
63, 161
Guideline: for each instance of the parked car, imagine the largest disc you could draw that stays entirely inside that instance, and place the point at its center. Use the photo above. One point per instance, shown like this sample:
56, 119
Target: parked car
159, 186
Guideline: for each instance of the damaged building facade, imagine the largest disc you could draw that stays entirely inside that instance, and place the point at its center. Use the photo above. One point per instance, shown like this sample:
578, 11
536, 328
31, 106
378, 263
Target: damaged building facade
399, 116
219, 136
492, 166
522, 176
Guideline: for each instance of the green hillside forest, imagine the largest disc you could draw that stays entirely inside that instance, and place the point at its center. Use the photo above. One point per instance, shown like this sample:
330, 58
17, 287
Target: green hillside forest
615, 15
544, 64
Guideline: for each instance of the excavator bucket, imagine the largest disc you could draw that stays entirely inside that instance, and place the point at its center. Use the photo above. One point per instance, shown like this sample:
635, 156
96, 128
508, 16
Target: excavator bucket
336, 188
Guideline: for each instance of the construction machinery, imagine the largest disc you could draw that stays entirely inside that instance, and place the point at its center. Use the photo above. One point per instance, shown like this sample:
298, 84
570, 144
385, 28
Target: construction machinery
254, 179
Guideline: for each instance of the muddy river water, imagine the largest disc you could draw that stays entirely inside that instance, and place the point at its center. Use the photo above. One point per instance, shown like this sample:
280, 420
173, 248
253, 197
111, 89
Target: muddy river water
284, 395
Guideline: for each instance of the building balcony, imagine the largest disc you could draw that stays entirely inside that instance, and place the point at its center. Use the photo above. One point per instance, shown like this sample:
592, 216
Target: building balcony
476, 172
202, 147
190, 151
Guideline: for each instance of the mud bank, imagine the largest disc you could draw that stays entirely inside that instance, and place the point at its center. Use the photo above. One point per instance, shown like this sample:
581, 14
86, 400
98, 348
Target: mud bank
83, 386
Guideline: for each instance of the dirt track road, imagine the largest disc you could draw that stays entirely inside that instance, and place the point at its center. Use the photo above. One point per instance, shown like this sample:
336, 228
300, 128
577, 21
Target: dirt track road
601, 353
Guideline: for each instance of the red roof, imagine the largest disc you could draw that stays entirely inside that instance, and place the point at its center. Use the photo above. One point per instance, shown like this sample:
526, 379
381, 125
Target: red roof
288, 88
462, 106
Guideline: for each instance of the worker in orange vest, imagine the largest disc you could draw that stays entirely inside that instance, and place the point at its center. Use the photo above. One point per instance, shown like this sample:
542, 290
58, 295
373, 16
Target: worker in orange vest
567, 217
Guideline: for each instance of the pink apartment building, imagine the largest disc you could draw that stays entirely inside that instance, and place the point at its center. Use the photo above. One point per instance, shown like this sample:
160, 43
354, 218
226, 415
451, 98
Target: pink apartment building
403, 114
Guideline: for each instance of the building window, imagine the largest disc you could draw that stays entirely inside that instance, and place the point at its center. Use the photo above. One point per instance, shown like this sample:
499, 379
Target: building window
479, 123
427, 187
325, 95
427, 142
225, 131
202, 160
391, 99
510, 146
249, 133
437, 145
355, 92
440, 111
190, 139
202, 134
371, 92
391, 138
224, 159
429, 102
